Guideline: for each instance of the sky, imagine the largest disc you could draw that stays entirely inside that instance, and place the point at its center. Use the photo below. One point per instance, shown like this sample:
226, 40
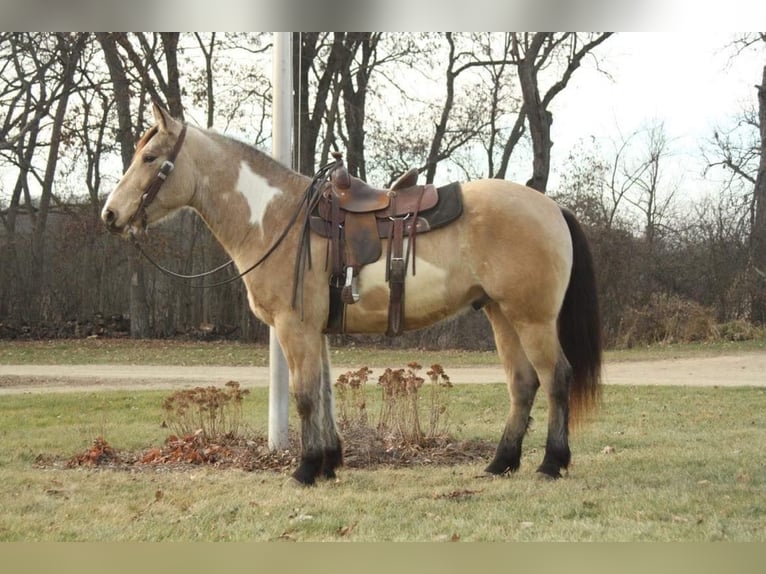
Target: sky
688, 80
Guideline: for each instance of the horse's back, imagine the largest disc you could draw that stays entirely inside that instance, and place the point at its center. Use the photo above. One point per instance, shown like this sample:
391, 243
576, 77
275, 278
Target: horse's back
513, 202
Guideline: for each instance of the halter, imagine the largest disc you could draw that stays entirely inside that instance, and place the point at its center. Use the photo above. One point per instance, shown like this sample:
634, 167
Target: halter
151, 191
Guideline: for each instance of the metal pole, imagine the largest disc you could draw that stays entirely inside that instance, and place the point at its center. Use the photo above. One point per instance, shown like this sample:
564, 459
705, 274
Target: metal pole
281, 148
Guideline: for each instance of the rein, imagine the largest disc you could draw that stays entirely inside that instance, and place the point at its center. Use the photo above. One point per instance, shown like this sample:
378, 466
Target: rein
310, 199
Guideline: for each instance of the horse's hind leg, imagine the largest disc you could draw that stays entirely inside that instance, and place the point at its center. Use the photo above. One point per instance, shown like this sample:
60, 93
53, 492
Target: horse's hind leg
541, 346
522, 386
333, 449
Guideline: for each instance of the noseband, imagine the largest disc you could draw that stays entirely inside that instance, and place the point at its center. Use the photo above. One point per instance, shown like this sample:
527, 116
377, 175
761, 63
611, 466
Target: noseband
151, 191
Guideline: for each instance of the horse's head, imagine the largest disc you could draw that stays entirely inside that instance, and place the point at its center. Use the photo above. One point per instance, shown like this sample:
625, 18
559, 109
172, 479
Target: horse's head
153, 186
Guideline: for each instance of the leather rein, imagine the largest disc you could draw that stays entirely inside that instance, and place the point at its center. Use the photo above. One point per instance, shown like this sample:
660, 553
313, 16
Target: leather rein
310, 199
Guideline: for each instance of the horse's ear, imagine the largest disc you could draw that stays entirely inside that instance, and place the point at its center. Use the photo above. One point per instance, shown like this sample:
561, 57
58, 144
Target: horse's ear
162, 117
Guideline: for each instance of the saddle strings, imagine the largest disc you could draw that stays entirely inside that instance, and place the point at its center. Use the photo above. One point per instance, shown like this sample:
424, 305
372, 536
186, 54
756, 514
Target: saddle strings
303, 256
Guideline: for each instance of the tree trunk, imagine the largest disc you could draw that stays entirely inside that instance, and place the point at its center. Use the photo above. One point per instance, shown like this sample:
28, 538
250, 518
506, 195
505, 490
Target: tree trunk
69, 54
537, 52
173, 91
441, 126
308, 125
139, 311
538, 117
354, 100
758, 237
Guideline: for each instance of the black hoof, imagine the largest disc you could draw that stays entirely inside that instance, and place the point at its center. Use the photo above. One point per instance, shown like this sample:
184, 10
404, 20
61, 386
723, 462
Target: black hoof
303, 477
550, 470
333, 459
308, 469
500, 466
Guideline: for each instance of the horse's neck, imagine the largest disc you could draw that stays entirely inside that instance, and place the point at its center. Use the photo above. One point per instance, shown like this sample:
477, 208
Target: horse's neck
245, 197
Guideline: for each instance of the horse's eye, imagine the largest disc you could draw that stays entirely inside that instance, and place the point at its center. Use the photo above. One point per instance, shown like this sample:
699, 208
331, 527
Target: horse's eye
149, 158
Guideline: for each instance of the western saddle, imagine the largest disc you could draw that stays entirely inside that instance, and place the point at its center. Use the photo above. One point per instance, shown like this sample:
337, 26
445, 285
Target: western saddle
355, 217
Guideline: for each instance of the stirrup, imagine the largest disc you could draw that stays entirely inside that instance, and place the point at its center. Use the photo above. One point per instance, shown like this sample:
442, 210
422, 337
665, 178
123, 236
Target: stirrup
350, 293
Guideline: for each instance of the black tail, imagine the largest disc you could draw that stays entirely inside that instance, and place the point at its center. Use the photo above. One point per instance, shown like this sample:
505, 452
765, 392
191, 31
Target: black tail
580, 324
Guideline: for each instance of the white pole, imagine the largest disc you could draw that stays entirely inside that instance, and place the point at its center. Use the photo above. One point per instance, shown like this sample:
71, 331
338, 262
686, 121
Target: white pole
281, 148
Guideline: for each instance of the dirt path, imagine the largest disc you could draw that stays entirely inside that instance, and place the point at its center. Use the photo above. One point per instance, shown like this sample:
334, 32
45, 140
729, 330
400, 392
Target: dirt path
747, 369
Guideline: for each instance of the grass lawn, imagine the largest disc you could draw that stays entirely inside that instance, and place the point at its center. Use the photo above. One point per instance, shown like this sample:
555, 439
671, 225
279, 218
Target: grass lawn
174, 352
656, 463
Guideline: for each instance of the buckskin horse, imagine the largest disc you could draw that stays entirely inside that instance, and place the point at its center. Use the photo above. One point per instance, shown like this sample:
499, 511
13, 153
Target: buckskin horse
513, 252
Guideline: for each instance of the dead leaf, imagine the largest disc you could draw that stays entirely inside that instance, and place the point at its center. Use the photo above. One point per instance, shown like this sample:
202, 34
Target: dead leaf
455, 538
56, 492
346, 530
158, 495
458, 494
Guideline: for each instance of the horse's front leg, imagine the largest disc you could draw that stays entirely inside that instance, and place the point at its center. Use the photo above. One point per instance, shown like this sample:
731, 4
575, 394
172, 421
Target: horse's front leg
333, 453
320, 446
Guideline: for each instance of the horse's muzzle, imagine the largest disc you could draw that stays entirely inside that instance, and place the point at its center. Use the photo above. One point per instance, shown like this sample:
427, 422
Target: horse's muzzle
109, 218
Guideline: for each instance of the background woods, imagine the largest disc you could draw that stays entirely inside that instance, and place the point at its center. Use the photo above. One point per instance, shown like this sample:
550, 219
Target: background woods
456, 106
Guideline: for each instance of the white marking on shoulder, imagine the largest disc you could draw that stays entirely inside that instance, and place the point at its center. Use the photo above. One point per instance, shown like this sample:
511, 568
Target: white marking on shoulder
257, 192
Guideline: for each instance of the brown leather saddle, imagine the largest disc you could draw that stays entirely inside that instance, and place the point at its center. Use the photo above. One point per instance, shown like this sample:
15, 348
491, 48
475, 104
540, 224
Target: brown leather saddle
355, 217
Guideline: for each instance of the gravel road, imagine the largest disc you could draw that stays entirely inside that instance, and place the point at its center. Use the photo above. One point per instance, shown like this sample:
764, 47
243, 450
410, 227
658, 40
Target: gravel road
748, 369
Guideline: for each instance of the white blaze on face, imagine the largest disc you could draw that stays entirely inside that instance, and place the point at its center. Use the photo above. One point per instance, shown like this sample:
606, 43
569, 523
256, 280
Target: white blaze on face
257, 192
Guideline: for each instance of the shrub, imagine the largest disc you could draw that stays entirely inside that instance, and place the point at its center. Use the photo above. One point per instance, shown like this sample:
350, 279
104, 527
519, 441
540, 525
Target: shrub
399, 412
350, 398
210, 413
439, 401
666, 318
408, 415
739, 330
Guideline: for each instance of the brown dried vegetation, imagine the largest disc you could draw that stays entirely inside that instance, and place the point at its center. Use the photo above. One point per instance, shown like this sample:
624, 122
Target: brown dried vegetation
207, 429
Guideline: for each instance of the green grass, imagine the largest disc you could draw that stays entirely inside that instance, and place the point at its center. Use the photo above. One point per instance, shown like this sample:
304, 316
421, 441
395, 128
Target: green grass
172, 352
687, 464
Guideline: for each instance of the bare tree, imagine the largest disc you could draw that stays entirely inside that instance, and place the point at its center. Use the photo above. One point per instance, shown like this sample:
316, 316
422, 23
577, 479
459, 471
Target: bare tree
318, 57
69, 49
742, 151
446, 140
641, 184
758, 243
533, 52
139, 308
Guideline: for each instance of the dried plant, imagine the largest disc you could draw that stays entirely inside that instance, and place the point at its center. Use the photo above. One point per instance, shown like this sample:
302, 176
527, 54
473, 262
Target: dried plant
351, 398
439, 403
403, 407
208, 412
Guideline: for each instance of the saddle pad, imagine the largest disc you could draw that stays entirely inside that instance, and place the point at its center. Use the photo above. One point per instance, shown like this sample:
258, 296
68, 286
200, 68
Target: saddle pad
447, 209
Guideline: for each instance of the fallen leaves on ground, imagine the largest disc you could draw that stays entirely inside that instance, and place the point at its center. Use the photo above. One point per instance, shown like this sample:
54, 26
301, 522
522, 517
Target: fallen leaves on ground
361, 450
458, 494
99, 453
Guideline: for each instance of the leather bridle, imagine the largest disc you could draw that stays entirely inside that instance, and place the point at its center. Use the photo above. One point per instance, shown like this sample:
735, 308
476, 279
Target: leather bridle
310, 200
151, 191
